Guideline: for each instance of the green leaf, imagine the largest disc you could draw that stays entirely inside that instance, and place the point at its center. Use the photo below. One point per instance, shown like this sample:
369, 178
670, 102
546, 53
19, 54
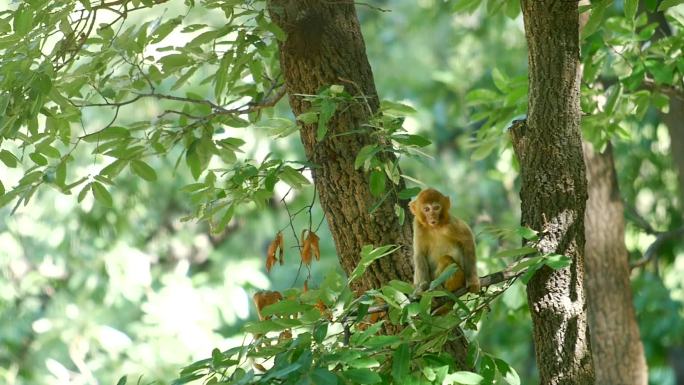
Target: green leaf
38, 159
396, 109
60, 173
400, 362
525, 278
143, 170
122, 380
101, 194
321, 376
527, 233
484, 149
508, 373
108, 133
365, 154
466, 378
400, 213
668, 4
328, 107
630, 8
114, 168
595, 19
8, 159
308, 117
411, 140
23, 20
487, 369
558, 261
527, 262
448, 272
284, 308
2, 189
262, 327
293, 177
165, 29
408, 193
187, 378
227, 216
466, 5
613, 98
320, 332
193, 161
377, 183
362, 376
174, 61
84, 191
48, 150
481, 96
500, 80
515, 252
368, 256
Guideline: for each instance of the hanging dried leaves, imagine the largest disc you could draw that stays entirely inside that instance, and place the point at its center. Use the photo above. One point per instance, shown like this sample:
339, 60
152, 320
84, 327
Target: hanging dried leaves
310, 247
285, 335
278, 245
265, 298
306, 286
325, 312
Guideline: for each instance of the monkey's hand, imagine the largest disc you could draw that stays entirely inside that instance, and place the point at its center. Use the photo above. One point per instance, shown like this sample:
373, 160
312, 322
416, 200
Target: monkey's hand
473, 284
421, 287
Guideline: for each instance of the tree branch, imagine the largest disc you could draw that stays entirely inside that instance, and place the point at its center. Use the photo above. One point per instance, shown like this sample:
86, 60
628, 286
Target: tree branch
488, 280
652, 250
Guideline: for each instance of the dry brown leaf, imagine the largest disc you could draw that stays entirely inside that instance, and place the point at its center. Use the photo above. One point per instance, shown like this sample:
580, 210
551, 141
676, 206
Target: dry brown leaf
281, 245
270, 256
306, 253
259, 367
285, 335
265, 298
276, 246
313, 239
320, 306
306, 286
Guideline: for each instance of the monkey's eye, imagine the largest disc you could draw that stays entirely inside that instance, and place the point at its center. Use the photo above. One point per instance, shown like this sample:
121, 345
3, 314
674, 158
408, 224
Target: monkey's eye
436, 207
426, 208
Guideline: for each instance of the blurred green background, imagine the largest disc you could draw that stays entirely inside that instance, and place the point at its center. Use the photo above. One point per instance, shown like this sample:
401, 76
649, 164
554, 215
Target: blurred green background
90, 293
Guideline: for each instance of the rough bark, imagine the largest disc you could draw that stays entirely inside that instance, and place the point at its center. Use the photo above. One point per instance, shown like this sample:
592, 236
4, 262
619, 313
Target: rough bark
554, 191
324, 46
615, 340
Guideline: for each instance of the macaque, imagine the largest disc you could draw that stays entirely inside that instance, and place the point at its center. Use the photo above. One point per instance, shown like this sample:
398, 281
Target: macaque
439, 240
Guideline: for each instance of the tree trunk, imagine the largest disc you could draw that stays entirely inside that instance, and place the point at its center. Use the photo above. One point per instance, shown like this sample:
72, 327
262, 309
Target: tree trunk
674, 120
615, 341
324, 46
554, 190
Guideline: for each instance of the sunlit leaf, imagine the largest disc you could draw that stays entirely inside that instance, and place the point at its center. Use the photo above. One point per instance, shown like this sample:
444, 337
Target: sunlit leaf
143, 170
101, 194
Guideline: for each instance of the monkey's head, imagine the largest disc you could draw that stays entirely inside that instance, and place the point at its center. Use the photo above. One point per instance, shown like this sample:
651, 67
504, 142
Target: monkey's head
431, 208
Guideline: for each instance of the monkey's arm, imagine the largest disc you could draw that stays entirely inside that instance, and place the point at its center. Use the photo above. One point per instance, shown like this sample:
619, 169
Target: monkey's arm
466, 242
421, 267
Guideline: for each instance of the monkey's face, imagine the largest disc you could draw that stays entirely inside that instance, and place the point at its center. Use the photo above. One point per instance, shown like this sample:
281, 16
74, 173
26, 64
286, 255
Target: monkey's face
433, 213
431, 208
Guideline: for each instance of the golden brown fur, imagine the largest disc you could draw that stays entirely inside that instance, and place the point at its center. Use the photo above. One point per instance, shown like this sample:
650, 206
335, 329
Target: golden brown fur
440, 240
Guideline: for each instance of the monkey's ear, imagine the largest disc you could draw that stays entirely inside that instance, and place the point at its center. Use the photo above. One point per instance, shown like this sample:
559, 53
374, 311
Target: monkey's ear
447, 204
412, 207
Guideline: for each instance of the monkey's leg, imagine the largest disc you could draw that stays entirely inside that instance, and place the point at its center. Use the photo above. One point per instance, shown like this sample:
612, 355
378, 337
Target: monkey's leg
456, 281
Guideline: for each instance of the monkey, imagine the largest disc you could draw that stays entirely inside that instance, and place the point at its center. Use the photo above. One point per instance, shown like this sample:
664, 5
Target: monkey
439, 240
